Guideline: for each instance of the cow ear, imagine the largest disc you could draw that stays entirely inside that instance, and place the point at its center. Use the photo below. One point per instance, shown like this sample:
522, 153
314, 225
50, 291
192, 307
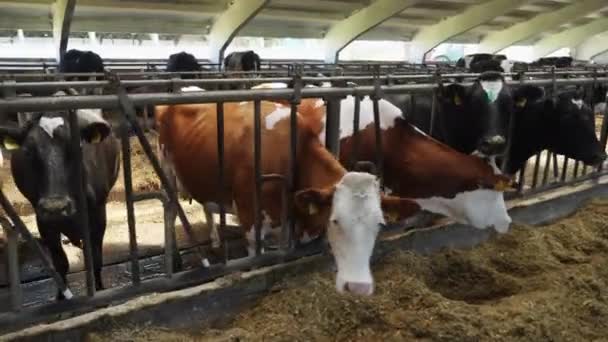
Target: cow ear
526, 94
310, 201
396, 208
95, 132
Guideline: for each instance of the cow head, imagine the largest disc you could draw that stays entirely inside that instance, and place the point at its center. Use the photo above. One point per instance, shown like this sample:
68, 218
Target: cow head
183, 62
353, 208
42, 159
564, 125
482, 111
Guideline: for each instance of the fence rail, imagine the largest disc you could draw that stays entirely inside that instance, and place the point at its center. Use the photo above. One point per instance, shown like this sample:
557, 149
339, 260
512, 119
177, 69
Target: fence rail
119, 98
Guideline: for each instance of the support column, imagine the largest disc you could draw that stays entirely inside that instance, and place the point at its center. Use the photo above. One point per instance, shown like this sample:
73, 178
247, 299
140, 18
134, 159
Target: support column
347, 30
592, 47
569, 37
497, 41
228, 25
63, 11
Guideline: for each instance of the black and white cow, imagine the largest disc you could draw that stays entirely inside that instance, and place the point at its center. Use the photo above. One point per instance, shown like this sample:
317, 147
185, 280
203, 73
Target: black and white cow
481, 62
564, 125
468, 118
42, 165
77, 61
242, 61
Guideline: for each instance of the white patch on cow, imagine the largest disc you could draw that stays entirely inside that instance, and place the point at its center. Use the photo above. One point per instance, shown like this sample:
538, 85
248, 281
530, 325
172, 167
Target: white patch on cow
271, 85
467, 61
353, 227
1, 161
49, 125
388, 114
243, 103
279, 114
68, 294
492, 89
578, 103
506, 65
190, 89
319, 103
482, 208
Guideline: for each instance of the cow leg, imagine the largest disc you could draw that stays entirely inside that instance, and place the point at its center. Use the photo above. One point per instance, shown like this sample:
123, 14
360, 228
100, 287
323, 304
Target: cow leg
51, 238
97, 224
170, 207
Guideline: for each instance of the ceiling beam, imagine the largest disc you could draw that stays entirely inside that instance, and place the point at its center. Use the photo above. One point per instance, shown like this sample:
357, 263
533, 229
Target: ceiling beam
592, 47
497, 41
62, 12
347, 30
229, 23
431, 36
567, 38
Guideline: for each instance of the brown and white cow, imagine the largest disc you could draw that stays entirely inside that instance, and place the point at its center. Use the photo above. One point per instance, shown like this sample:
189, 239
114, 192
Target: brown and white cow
440, 179
349, 204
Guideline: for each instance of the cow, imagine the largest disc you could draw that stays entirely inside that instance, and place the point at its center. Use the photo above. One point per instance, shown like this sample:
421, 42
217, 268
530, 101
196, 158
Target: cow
77, 61
42, 165
457, 200
349, 204
468, 118
481, 62
242, 61
558, 62
564, 125
183, 62
248, 61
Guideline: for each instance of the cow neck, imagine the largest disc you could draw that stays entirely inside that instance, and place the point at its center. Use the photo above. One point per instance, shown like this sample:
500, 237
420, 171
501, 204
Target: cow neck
532, 134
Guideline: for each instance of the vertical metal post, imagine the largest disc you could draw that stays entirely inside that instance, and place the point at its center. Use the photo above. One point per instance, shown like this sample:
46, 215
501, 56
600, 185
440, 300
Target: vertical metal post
170, 245
377, 96
564, 169
332, 126
522, 178
604, 130
547, 167
81, 201
126, 162
356, 119
293, 149
13, 265
536, 169
257, 200
220, 156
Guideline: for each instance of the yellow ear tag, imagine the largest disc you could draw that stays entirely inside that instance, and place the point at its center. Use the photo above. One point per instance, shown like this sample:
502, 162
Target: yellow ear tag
96, 138
521, 103
10, 143
312, 209
391, 217
457, 100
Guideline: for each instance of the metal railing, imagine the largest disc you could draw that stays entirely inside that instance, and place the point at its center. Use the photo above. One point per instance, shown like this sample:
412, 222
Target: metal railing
118, 98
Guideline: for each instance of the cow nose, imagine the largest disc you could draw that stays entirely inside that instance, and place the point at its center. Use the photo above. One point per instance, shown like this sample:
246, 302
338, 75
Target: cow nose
359, 288
492, 145
56, 207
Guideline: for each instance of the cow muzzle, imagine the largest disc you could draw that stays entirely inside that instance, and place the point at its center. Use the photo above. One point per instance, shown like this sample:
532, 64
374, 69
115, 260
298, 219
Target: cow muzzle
55, 208
493, 145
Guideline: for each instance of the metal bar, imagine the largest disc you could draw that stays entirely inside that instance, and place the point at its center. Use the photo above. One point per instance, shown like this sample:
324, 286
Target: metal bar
12, 254
377, 130
257, 199
170, 245
292, 177
564, 169
111, 101
522, 178
356, 119
128, 183
576, 167
27, 235
536, 169
220, 156
129, 111
332, 126
82, 214
547, 168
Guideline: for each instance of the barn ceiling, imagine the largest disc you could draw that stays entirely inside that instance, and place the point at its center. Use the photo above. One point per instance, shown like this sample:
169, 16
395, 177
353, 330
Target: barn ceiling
493, 23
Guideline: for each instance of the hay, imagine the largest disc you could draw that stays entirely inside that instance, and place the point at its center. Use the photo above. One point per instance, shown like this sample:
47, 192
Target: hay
529, 285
